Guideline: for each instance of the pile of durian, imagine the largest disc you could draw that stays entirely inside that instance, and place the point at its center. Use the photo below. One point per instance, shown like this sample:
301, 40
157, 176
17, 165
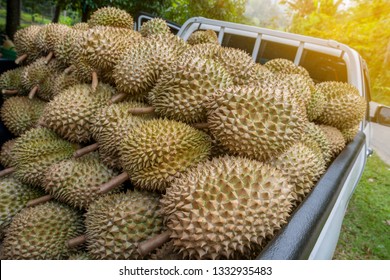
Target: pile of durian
139, 145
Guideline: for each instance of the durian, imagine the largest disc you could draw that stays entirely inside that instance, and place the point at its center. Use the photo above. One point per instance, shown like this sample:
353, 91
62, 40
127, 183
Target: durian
109, 125
38, 77
221, 209
11, 82
254, 122
335, 139
41, 232
180, 94
344, 107
313, 133
76, 181
237, 63
302, 166
81, 26
6, 154
36, 150
203, 37
49, 36
113, 17
350, 133
154, 26
69, 114
155, 152
19, 113
14, 196
142, 66
116, 223
285, 66
25, 41
103, 47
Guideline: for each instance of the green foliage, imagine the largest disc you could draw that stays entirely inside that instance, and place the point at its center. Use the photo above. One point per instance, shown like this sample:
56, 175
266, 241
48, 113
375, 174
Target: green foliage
361, 27
366, 227
228, 10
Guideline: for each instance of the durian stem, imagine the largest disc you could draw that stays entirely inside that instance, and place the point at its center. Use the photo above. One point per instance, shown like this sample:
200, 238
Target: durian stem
9, 91
39, 200
69, 70
95, 81
146, 247
33, 91
85, 150
48, 57
141, 111
200, 125
77, 241
7, 171
117, 98
21, 58
114, 182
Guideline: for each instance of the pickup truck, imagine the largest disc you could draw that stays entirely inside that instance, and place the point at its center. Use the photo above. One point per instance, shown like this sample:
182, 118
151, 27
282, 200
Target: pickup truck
313, 229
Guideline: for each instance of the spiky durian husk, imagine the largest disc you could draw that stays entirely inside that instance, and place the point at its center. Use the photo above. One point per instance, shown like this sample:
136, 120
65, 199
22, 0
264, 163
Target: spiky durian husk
26, 43
166, 252
154, 26
64, 81
41, 74
255, 122
6, 154
81, 26
237, 63
76, 181
41, 232
302, 166
257, 74
224, 207
180, 93
66, 49
12, 79
110, 125
335, 139
36, 150
14, 196
103, 47
69, 114
117, 223
316, 105
206, 50
19, 113
142, 66
294, 85
350, 133
344, 107
285, 66
50, 35
80, 256
155, 152
113, 17
202, 37
313, 133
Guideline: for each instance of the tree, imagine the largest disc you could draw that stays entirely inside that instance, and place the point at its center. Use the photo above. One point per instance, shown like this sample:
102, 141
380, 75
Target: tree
362, 27
13, 17
228, 10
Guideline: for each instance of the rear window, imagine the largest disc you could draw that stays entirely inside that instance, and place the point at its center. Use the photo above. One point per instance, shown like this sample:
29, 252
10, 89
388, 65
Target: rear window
270, 50
239, 42
323, 67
